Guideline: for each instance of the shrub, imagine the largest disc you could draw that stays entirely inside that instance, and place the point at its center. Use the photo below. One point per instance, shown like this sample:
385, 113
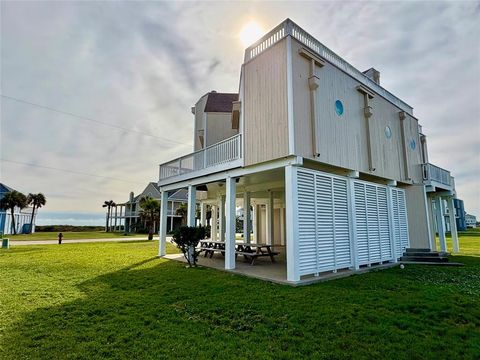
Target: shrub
187, 238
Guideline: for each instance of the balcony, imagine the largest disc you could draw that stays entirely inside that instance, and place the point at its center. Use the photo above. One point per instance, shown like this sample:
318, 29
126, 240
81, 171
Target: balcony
437, 177
221, 156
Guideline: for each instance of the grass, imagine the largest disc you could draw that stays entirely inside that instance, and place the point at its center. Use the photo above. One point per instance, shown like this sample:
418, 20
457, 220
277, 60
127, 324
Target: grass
71, 235
118, 300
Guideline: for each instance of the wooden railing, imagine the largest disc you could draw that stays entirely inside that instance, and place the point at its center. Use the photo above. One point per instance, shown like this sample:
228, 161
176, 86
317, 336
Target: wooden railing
288, 27
225, 151
435, 173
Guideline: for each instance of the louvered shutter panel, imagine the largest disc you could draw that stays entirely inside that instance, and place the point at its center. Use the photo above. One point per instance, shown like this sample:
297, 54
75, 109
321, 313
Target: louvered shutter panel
384, 225
362, 225
342, 224
325, 223
399, 212
307, 251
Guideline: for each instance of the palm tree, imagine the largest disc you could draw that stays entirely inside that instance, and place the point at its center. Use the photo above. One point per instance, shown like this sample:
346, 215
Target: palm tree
12, 200
37, 201
109, 205
182, 210
149, 213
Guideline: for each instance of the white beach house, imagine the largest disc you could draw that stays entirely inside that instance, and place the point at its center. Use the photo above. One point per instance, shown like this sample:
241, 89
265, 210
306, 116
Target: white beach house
331, 168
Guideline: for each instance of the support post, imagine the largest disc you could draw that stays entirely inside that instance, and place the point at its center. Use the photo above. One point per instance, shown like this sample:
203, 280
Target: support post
214, 226
270, 216
192, 201
440, 223
432, 217
162, 233
255, 223
291, 202
221, 218
203, 214
246, 217
453, 224
230, 224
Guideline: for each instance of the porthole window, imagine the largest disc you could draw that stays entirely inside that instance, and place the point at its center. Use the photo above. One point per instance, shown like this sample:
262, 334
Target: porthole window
388, 132
413, 144
339, 108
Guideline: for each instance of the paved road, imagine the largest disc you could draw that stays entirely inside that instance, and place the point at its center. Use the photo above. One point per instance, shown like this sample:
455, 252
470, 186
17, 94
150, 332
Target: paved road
73, 241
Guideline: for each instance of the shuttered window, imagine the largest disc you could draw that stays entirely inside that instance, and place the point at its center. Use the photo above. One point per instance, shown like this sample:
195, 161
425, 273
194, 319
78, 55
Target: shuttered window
372, 223
400, 225
324, 240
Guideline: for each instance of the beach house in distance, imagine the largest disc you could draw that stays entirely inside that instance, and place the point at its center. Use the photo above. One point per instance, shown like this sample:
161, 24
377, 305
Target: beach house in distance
331, 168
22, 216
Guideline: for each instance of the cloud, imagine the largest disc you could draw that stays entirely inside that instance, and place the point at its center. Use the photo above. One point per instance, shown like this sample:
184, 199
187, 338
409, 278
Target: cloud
142, 65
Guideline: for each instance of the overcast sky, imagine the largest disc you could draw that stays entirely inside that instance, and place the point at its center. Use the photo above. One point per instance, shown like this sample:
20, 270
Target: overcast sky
141, 66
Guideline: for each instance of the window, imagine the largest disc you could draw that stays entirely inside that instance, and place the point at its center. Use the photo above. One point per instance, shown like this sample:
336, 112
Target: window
339, 108
388, 132
413, 144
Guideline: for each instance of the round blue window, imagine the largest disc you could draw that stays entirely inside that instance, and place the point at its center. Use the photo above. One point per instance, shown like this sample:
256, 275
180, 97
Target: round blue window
388, 132
338, 107
413, 144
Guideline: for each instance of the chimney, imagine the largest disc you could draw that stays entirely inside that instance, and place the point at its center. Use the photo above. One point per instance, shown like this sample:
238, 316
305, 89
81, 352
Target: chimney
373, 74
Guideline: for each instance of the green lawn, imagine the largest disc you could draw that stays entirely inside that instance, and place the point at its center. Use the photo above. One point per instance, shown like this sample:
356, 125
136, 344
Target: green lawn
72, 235
118, 300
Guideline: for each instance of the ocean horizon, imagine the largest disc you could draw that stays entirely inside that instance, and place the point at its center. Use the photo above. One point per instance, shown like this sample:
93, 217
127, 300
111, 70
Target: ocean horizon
70, 218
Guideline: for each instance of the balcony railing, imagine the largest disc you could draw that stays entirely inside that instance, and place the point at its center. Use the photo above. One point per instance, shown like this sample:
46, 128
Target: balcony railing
437, 174
225, 151
288, 27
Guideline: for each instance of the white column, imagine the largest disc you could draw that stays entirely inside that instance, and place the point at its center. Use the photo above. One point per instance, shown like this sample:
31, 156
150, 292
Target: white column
270, 216
453, 225
282, 226
246, 217
440, 223
203, 214
162, 233
172, 212
192, 201
221, 218
214, 226
230, 224
115, 224
255, 223
291, 203
432, 213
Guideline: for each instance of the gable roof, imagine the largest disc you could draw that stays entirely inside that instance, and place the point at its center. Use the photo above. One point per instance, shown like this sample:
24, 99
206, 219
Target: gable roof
5, 189
220, 102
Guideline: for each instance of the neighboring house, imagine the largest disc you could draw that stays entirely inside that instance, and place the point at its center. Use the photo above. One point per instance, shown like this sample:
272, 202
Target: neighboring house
470, 221
22, 216
126, 216
330, 167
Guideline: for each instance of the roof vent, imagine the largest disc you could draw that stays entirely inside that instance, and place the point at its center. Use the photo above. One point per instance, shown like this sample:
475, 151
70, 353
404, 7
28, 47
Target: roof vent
373, 74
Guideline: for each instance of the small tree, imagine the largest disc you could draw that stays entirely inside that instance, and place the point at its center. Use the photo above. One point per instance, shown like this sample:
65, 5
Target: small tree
12, 200
37, 201
182, 211
187, 238
150, 213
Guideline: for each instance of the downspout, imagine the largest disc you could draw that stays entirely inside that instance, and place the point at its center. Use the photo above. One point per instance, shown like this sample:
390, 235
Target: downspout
313, 83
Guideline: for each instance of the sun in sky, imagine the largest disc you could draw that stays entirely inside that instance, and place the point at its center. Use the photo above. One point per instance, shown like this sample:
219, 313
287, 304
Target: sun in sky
250, 33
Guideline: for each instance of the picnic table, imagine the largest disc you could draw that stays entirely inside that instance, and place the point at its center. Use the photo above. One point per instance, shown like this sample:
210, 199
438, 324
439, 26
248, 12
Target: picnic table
249, 251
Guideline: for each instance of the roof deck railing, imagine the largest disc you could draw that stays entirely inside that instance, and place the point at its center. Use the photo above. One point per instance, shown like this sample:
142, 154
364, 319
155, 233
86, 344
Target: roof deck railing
225, 151
288, 27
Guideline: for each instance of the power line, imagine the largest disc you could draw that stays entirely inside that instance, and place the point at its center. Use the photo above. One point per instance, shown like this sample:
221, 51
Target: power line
69, 171
84, 118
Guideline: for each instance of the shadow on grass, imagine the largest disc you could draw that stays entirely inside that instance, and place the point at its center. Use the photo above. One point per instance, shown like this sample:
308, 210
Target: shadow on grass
160, 309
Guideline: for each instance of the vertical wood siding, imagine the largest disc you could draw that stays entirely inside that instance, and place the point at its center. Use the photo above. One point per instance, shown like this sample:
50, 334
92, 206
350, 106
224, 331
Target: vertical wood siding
342, 140
266, 129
